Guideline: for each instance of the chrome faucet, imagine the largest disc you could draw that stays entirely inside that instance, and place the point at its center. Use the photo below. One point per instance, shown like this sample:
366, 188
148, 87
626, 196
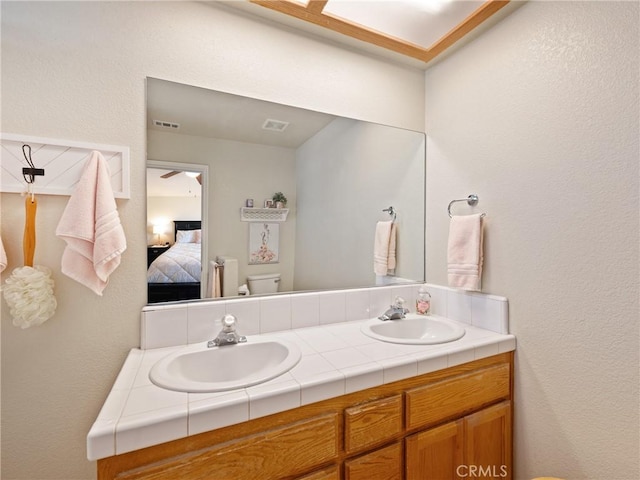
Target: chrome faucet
228, 334
396, 311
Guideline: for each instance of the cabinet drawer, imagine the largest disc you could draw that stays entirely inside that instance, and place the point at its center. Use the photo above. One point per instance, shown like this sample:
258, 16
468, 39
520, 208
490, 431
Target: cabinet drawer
383, 464
281, 452
371, 423
457, 396
331, 473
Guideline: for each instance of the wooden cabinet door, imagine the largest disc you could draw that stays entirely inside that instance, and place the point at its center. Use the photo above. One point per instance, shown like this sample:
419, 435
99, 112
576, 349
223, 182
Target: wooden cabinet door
435, 454
382, 464
488, 442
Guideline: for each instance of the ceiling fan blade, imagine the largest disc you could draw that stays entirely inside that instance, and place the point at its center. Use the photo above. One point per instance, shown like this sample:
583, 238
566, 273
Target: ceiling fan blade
170, 174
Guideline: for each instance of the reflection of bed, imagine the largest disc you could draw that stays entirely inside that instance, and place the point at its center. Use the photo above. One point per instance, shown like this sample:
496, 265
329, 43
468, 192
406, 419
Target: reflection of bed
175, 275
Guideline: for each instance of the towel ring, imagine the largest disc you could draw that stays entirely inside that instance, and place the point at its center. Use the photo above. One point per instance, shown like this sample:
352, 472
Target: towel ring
471, 200
391, 212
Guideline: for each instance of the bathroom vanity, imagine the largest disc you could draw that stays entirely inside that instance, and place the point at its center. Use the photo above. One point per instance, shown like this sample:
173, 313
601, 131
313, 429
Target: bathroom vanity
354, 407
423, 427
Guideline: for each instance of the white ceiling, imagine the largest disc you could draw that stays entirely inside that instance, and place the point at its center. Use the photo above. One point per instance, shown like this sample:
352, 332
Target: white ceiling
209, 113
179, 185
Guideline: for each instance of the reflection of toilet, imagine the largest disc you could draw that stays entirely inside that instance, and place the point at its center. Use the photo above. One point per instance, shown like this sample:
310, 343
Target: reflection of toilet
266, 283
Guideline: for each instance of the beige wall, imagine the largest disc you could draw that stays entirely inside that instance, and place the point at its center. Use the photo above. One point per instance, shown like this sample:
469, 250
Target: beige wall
347, 173
76, 71
164, 210
539, 117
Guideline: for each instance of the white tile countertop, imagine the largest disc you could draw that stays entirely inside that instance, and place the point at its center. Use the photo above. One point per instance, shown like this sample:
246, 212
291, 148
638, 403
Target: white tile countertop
337, 359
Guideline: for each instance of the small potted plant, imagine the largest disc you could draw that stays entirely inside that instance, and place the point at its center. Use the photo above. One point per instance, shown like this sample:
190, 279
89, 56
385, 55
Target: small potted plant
279, 200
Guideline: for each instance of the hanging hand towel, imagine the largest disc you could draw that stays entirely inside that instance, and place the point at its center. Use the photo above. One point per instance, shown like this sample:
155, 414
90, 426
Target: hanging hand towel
464, 253
90, 225
214, 280
3, 257
384, 254
391, 261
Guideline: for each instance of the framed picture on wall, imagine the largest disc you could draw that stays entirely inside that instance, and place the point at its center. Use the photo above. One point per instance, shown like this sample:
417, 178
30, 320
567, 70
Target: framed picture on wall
264, 241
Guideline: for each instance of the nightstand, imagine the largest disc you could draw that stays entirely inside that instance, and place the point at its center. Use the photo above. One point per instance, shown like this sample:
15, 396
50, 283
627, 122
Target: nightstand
154, 251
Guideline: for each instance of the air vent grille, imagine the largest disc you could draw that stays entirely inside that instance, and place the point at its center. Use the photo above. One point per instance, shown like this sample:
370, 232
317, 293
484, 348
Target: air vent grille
275, 125
163, 124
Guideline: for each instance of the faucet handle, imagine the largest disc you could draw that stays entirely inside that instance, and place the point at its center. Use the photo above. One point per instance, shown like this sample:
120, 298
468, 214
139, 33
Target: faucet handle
398, 302
228, 334
228, 322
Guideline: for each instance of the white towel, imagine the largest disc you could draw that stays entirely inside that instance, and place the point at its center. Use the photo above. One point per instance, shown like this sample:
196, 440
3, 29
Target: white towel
464, 252
229, 275
3, 257
213, 280
391, 261
91, 226
384, 248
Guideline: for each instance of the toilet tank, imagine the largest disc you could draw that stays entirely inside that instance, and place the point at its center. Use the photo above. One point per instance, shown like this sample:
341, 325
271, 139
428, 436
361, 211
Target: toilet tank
265, 283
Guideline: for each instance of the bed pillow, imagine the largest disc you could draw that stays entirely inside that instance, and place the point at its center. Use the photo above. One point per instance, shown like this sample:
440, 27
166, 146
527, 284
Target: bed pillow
188, 236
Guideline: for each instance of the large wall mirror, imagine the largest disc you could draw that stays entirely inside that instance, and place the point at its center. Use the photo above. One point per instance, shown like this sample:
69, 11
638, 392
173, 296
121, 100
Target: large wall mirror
230, 152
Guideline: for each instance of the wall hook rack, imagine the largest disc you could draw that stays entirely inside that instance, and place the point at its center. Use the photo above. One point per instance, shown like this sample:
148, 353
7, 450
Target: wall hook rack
64, 161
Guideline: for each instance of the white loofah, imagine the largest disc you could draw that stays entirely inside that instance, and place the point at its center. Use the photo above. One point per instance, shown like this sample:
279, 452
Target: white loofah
29, 294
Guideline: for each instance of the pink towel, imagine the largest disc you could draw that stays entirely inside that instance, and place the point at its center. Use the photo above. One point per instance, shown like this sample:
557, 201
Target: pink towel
464, 254
90, 225
384, 248
3, 257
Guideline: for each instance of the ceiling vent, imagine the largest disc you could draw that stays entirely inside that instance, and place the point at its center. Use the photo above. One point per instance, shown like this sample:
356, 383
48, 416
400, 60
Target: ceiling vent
275, 125
163, 124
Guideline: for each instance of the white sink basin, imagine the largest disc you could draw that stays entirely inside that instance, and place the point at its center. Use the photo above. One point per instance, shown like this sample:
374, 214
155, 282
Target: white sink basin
201, 369
414, 330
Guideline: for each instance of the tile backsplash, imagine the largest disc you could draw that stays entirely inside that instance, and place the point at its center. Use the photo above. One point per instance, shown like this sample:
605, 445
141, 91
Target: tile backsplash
179, 324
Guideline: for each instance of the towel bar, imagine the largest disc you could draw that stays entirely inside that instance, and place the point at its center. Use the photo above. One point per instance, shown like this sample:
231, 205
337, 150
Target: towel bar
471, 200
